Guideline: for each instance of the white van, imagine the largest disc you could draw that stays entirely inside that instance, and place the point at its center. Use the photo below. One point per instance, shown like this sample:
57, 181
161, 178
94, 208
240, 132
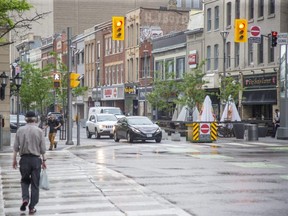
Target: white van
111, 110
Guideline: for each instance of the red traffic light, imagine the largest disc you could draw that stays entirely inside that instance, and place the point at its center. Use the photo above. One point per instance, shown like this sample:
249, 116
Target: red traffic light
274, 33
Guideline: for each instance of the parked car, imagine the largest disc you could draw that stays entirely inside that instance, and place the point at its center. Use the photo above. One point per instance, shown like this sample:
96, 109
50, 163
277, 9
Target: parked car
13, 122
137, 128
100, 124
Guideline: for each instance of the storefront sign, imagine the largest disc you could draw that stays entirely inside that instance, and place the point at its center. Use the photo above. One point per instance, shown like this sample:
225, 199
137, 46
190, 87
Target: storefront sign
260, 80
110, 93
130, 90
192, 59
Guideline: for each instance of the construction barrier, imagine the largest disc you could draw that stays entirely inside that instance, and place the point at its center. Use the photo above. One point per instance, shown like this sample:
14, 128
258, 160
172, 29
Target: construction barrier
202, 131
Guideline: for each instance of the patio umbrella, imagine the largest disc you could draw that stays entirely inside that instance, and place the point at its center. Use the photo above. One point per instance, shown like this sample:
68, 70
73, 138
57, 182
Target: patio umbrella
230, 113
206, 113
184, 113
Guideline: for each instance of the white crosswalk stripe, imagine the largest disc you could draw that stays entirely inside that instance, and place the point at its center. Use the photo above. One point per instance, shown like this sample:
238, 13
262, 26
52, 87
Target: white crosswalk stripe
81, 188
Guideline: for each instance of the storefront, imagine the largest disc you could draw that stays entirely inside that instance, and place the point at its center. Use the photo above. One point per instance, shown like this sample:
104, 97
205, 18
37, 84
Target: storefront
131, 102
113, 96
259, 96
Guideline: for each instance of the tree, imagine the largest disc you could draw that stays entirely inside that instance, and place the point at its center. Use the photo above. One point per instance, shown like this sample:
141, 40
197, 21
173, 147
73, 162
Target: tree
192, 88
35, 91
189, 91
13, 18
230, 87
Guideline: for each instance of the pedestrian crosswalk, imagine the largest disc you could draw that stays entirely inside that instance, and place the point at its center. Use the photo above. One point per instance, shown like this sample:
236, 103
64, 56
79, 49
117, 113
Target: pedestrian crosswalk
79, 188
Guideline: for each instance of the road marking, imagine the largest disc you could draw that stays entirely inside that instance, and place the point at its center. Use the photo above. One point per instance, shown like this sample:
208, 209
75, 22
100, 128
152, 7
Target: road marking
213, 156
257, 165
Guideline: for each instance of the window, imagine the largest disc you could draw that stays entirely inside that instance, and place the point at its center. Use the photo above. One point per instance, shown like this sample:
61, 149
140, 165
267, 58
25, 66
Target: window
180, 67
137, 69
98, 49
106, 47
209, 19
271, 7
251, 9
82, 57
237, 9
216, 56
250, 53
208, 58
228, 47
159, 72
261, 52
237, 54
121, 73
169, 67
229, 10
260, 8
216, 26
270, 52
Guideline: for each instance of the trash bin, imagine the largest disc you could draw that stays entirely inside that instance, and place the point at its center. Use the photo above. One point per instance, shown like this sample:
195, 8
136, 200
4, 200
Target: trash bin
251, 132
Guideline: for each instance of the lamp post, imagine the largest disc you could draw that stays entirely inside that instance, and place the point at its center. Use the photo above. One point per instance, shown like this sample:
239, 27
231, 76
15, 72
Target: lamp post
3, 80
145, 81
224, 35
18, 83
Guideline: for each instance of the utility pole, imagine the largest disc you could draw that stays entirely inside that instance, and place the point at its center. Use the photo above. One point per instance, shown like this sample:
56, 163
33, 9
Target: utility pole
145, 81
69, 91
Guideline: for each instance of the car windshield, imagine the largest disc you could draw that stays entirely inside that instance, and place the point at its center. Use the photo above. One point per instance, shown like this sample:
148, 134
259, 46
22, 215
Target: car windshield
139, 121
112, 111
106, 118
14, 118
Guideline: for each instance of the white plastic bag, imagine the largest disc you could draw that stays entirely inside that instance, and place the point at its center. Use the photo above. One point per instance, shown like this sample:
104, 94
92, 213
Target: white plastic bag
44, 182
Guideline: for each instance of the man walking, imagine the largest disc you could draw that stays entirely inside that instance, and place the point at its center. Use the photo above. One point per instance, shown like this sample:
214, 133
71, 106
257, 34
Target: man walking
30, 145
53, 124
276, 122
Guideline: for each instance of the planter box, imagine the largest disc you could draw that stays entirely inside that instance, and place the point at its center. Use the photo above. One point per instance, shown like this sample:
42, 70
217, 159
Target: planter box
238, 129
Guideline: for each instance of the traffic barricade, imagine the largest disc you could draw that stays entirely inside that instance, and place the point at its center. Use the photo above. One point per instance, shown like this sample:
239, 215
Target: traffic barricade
202, 131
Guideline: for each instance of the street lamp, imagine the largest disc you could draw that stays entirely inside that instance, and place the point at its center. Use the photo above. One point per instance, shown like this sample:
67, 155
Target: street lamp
224, 35
145, 81
18, 83
3, 81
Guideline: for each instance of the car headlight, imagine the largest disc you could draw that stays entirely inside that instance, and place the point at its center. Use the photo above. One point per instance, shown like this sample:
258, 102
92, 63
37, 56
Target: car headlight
135, 130
101, 126
158, 130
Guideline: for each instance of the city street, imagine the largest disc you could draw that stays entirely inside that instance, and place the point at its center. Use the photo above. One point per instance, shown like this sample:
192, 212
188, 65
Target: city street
101, 177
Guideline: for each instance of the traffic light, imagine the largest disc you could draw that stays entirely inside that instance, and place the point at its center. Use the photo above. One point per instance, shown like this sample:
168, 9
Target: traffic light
118, 28
56, 80
274, 36
241, 30
74, 80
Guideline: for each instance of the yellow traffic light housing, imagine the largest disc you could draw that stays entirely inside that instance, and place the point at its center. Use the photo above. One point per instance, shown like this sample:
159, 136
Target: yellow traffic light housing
241, 30
118, 28
74, 80
56, 80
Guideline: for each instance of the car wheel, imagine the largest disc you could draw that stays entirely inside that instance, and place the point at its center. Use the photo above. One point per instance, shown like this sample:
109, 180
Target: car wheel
116, 139
129, 139
88, 133
97, 135
158, 140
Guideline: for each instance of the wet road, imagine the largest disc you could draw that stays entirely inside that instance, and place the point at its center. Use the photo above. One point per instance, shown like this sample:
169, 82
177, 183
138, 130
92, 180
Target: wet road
104, 178
229, 177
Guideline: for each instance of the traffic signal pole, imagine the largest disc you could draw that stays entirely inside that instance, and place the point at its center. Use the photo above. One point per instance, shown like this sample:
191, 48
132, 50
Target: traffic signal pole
69, 91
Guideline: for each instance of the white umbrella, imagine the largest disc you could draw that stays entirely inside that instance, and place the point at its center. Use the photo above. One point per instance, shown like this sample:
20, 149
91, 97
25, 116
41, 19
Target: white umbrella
183, 115
230, 113
206, 114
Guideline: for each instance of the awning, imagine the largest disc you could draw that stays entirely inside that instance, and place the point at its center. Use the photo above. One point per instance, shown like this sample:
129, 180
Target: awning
259, 97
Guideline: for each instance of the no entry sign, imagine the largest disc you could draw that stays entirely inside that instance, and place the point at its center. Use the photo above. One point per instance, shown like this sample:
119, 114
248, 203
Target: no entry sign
205, 128
255, 31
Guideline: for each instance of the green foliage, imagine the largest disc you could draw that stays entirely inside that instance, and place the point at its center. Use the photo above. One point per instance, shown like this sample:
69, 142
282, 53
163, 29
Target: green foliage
35, 91
232, 87
8, 6
191, 88
188, 91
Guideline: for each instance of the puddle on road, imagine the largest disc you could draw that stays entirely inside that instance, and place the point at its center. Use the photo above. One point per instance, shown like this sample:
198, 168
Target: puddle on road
282, 148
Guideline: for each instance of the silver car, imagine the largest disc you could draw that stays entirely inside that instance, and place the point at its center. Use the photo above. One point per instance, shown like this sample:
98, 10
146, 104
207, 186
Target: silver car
100, 125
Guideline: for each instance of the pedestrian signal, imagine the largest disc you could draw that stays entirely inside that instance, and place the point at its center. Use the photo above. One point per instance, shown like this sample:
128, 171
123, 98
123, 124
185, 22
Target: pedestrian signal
241, 30
274, 36
118, 28
56, 80
74, 80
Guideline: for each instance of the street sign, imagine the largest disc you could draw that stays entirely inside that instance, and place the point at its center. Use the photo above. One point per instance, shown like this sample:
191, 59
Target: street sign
255, 31
282, 38
254, 40
204, 128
